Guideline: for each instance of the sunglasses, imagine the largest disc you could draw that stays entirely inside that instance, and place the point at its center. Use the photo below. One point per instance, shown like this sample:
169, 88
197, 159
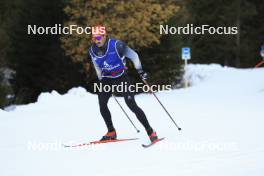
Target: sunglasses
97, 38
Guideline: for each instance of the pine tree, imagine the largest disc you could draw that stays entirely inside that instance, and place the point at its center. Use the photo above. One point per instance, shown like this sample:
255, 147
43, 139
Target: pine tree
135, 22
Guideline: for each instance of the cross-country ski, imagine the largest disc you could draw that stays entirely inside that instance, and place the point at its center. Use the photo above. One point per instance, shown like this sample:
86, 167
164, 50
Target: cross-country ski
98, 142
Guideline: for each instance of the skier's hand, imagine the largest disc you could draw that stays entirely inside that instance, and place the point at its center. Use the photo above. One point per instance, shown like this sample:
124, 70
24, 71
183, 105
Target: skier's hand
143, 75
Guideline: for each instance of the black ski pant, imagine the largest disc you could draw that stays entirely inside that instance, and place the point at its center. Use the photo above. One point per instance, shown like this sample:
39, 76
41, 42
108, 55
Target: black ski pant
104, 96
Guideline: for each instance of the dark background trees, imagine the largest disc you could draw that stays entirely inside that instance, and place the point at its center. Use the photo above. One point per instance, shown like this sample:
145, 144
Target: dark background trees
42, 63
240, 50
38, 60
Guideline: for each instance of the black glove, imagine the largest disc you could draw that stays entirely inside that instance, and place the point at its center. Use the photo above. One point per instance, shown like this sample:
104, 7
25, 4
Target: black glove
143, 75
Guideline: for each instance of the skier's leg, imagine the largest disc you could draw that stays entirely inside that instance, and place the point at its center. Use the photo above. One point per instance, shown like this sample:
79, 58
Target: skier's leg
131, 103
103, 98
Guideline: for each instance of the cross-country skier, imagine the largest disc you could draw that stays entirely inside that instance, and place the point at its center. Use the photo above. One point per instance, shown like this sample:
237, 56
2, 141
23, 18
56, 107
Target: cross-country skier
108, 57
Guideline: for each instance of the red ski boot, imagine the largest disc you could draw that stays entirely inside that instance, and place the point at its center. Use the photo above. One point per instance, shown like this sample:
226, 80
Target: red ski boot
153, 137
109, 136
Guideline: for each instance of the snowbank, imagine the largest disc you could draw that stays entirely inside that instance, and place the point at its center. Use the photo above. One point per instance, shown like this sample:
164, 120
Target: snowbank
197, 73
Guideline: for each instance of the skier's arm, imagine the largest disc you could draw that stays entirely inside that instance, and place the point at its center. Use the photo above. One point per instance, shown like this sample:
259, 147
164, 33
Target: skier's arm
133, 56
98, 70
124, 50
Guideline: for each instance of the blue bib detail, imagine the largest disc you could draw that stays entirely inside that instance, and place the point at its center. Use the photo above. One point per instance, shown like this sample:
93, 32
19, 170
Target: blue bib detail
111, 64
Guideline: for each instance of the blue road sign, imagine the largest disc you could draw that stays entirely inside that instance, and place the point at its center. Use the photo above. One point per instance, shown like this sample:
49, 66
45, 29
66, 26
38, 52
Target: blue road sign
186, 53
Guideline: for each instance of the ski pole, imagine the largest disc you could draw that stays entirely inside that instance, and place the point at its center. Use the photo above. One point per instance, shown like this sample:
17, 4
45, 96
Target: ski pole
163, 106
126, 114
260, 63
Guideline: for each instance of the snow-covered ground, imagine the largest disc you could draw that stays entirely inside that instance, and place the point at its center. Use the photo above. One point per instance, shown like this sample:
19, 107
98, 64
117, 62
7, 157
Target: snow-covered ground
221, 117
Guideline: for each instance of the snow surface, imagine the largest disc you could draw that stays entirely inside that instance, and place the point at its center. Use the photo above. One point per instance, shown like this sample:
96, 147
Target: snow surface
221, 117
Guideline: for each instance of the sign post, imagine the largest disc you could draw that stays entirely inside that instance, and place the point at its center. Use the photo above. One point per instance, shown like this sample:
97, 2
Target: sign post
186, 55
